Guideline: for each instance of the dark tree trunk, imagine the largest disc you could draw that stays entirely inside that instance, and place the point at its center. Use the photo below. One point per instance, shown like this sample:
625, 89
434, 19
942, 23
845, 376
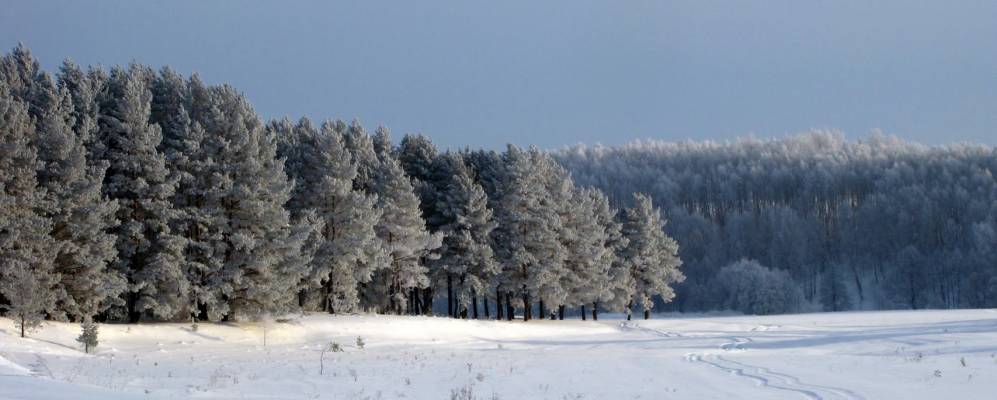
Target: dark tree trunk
450, 311
583, 312
474, 305
202, 311
488, 314
510, 312
133, 315
647, 314
499, 315
560, 313
527, 307
427, 301
541, 314
595, 311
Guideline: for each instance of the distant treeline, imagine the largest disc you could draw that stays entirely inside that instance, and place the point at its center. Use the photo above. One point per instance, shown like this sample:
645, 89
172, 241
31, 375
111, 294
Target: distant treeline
870, 224
133, 194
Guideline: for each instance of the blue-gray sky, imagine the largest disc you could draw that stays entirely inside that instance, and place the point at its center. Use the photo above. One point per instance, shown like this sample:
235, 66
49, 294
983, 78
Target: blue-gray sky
484, 73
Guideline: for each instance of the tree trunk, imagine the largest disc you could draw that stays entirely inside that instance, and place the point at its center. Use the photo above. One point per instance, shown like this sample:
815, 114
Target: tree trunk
488, 314
327, 296
595, 311
510, 312
23, 321
427, 301
541, 314
647, 314
527, 307
499, 315
583, 312
858, 284
450, 312
133, 315
474, 305
560, 313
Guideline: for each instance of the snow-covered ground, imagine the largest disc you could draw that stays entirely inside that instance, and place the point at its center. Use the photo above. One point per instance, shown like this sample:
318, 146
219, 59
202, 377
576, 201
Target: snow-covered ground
867, 355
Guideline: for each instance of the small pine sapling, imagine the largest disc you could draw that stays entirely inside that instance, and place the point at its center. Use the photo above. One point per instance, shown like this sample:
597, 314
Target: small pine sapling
88, 338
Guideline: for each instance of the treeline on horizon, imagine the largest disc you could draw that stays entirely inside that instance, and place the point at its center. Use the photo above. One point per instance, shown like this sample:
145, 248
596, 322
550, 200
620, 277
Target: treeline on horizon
132, 195
878, 223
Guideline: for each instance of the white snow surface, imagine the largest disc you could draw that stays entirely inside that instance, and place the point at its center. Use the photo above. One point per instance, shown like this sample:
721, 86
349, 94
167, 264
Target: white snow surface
858, 355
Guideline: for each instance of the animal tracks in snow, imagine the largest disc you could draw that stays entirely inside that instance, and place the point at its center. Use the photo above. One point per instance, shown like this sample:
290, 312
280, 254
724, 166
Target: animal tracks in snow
762, 376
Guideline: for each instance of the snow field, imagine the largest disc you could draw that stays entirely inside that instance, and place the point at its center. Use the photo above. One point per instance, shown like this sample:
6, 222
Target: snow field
860, 355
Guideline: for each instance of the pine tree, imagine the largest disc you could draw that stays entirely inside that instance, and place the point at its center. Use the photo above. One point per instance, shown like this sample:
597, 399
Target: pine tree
261, 255
149, 254
526, 239
83, 89
589, 258
27, 250
651, 255
88, 336
363, 154
382, 142
618, 279
323, 174
466, 256
79, 215
29, 294
404, 238
190, 157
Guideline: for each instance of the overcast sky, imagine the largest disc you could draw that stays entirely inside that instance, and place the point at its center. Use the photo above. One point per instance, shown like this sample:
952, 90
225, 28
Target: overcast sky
484, 73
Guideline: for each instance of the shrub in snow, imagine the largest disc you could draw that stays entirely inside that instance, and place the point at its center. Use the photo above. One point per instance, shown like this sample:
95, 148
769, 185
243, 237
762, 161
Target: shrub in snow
88, 338
334, 348
467, 393
28, 295
751, 288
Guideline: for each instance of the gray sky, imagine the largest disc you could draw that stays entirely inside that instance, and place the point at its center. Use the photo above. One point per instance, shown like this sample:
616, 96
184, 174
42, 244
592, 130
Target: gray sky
484, 73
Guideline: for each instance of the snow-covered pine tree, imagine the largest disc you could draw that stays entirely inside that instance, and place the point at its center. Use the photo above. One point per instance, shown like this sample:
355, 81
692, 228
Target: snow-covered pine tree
26, 248
323, 173
588, 257
382, 141
466, 256
190, 158
489, 168
263, 253
79, 215
88, 335
555, 289
526, 239
149, 253
362, 152
28, 292
429, 174
651, 255
83, 88
612, 291
404, 237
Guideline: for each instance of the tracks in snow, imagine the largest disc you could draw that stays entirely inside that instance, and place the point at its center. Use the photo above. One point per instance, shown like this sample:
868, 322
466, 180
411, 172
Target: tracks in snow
774, 380
762, 376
